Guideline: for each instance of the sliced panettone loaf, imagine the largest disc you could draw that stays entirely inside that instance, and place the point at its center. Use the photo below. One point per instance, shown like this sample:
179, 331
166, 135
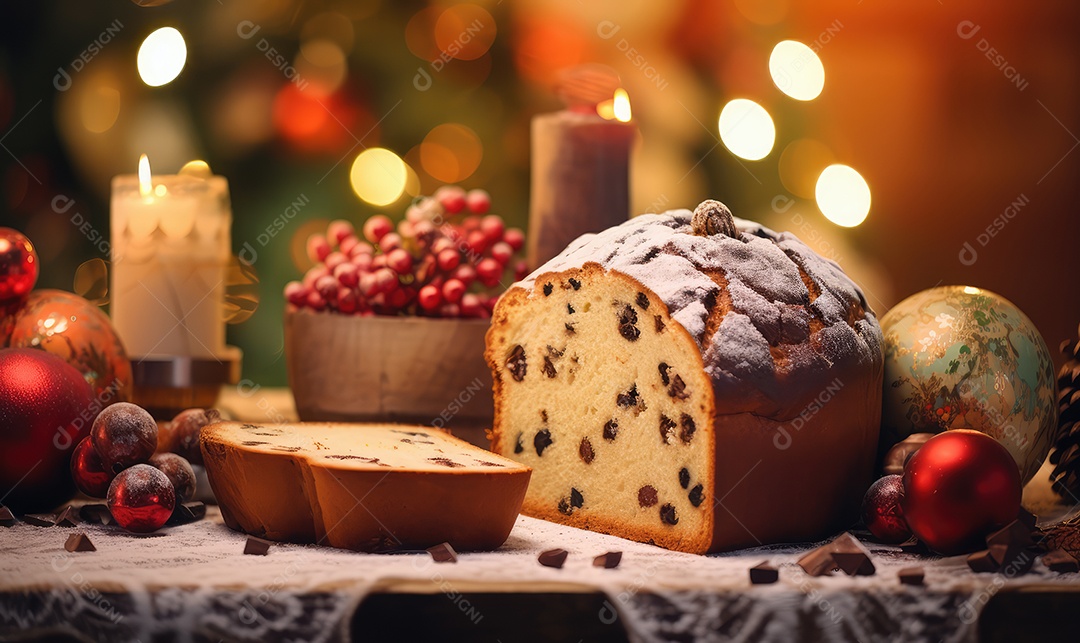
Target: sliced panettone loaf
362, 486
691, 380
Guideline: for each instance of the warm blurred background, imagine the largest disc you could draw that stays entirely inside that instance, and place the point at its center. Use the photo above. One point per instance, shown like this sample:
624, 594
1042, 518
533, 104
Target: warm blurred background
961, 119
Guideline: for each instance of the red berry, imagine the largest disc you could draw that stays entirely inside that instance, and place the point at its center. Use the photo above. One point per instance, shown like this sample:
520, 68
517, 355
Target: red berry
315, 301
401, 298
361, 248
296, 293
429, 298
469, 224
489, 271
478, 201
515, 237
348, 244
466, 274
368, 284
452, 198
377, 227
313, 275
347, 274
448, 260
334, 259
493, 228
327, 287
390, 241
450, 310
399, 260
339, 230
470, 306
477, 243
441, 244
141, 498
378, 261
347, 300
502, 252
405, 229
179, 472
317, 248
363, 262
453, 290
423, 230
124, 434
88, 471
385, 280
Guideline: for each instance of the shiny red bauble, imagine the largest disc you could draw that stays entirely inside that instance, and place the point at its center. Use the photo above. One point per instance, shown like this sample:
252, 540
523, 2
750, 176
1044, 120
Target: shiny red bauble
141, 499
881, 510
46, 408
18, 265
959, 487
124, 434
88, 471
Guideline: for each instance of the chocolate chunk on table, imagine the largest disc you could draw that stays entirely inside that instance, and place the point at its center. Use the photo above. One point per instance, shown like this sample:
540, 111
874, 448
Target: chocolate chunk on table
96, 514
818, 562
910, 576
443, 553
7, 519
553, 558
187, 512
40, 520
67, 517
610, 560
79, 541
851, 557
1016, 534
1060, 560
256, 546
764, 574
982, 561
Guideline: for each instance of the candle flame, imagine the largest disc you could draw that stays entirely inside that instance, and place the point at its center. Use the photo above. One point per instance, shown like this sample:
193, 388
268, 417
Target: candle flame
621, 105
145, 186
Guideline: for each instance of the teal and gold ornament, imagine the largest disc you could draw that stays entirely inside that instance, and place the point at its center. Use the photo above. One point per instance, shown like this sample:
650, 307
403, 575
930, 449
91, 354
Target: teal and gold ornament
958, 357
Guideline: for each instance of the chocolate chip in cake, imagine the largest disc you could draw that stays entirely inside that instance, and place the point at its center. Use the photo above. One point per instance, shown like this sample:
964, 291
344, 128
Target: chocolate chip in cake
569, 329
518, 445
547, 289
7, 519
585, 450
443, 553
684, 477
696, 495
446, 462
668, 515
542, 441
516, 363
548, 368
575, 284
611, 429
256, 546
570, 309
630, 398
628, 324
543, 416
79, 541
553, 558
659, 324
576, 499
643, 300
678, 388
688, 427
564, 507
646, 496
667, 428
665, 379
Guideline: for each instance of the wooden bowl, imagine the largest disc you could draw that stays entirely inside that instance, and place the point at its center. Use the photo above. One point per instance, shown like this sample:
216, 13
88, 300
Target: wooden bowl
391, 369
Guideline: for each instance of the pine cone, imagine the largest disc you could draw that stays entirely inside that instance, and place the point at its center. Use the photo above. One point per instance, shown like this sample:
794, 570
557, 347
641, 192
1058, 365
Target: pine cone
1066, 454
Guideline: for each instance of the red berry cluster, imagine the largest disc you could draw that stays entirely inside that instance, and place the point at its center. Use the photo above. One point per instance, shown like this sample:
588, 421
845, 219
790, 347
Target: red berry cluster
448, 258
117, 462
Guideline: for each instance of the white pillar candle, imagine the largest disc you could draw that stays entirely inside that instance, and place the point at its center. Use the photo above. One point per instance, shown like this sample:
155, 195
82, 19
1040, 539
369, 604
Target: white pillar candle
170, 250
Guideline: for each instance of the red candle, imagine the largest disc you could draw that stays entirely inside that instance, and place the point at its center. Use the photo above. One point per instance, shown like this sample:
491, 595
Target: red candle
580, 174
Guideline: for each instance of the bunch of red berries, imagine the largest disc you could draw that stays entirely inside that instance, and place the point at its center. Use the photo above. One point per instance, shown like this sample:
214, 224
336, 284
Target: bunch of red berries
448, 258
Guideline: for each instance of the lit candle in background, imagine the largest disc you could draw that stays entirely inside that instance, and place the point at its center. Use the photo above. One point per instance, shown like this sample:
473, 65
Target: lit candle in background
170, 249
580, 163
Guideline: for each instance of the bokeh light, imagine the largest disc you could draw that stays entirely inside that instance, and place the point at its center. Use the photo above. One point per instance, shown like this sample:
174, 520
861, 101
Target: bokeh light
797, 70
451, 152
746, 129
801, 163
99, 108
763, 12
322, 64
378, 176
465, 31
621, 106
843, 195
161, 57
329, 25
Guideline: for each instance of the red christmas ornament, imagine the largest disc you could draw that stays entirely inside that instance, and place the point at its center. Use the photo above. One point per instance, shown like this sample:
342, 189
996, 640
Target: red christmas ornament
959, 487
18, 265
124, 434
46, 408
88, 471
882, 512
141, 499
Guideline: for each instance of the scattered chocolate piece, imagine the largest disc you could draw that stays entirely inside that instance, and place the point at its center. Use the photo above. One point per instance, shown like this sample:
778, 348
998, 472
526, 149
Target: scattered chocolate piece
646, 496
187, 512
668, 515
851, 557
915, 546
553, 558
1017, 562
256, 546
541, 441
1027, 519
67, 517
1060, 560
443, 553
609, 560
40, 520
7, 519
910, 576
764, 574
818, 562
517, 364
98, 514
1014, 534
79, 541
982, 561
